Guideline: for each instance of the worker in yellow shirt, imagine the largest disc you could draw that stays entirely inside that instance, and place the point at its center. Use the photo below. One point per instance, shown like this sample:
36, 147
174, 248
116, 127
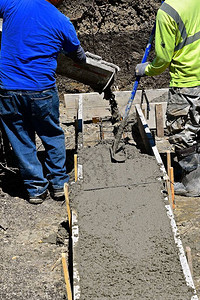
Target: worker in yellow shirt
177, 47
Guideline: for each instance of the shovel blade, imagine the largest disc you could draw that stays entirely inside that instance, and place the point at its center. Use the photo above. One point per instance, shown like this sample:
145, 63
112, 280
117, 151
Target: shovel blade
118, 156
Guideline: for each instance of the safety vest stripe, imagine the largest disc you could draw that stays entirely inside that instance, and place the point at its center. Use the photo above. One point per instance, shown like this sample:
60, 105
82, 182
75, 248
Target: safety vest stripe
191, 39
174, 15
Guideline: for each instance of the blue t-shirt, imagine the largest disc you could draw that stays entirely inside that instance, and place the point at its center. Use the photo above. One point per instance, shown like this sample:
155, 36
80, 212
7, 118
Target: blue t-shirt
34, 32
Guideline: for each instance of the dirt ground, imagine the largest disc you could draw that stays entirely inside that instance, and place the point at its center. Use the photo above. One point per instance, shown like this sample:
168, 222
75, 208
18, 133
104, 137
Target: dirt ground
32, 240
187, 214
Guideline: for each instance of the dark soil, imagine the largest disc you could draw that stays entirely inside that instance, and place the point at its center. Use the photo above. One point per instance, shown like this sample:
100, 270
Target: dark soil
118, 31
32, 239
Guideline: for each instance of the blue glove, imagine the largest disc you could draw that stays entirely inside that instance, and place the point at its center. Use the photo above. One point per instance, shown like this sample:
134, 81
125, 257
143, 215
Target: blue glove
140, 69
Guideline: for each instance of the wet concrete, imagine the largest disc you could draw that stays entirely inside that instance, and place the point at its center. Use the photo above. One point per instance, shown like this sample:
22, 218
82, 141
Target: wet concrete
126, 248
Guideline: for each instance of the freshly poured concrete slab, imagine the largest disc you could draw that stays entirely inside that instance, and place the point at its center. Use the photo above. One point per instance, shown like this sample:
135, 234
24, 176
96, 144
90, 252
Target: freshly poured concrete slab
126, 248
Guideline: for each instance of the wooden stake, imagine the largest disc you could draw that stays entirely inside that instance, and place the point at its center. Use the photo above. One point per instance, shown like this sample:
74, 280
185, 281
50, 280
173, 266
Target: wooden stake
189, 258
95, 120
75, 167
168, 162
143, 111
66, 190
66, 275
169, 191
172, 185
159, 120
101, 129
56, 264
143, 108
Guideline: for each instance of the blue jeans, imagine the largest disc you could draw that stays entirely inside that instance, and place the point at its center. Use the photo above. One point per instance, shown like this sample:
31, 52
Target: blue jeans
24, 113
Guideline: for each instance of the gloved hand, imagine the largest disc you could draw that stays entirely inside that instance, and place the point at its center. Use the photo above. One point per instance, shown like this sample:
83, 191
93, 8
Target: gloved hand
140, 69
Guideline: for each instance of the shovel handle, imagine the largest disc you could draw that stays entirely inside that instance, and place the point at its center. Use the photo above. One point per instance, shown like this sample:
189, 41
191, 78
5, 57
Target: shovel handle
130, 101
144, 59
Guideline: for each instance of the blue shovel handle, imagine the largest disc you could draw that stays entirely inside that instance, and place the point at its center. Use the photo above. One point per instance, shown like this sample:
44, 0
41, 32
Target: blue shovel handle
130, 101
144, 59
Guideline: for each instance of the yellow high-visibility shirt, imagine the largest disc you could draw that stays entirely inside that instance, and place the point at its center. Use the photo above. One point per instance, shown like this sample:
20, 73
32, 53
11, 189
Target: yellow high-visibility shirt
177, 42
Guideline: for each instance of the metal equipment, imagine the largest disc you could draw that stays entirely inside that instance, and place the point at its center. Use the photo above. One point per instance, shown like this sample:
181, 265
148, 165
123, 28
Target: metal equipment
96, 73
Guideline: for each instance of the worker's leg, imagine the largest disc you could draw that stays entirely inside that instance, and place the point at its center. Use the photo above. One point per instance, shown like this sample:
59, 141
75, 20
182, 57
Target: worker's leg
189, 160
183, 124
16, 119
46, 122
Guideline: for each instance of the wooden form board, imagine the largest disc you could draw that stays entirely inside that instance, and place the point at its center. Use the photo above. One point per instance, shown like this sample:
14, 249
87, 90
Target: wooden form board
145, 133
95, 106
159, 120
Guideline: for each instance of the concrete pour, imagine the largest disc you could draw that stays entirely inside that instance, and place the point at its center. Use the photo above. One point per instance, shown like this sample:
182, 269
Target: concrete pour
126, 249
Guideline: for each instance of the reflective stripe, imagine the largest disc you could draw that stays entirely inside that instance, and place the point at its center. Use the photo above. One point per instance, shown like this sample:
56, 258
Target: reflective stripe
174, 15
188, 41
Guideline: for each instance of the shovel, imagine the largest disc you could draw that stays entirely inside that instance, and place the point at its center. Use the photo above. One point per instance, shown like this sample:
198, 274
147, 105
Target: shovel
119, 155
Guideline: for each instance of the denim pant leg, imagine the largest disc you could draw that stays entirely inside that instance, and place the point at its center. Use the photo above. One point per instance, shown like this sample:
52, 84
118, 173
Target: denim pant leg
16, 119
46, 123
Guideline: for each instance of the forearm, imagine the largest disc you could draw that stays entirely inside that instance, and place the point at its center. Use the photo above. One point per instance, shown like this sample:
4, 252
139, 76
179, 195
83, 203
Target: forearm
156, 67
78, 55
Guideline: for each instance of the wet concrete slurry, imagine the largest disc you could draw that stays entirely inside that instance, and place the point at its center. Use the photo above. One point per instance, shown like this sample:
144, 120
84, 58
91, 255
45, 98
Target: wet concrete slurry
126, 248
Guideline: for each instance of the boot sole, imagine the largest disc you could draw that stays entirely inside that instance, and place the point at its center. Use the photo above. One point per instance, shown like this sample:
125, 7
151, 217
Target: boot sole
186, 194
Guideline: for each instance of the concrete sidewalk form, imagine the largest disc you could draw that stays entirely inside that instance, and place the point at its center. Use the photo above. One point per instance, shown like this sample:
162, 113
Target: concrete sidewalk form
126, 248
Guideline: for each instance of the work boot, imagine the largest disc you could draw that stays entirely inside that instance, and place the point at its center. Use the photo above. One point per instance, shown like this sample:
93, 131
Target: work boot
190, 185
179, 189
189, 160
58, 194
191, 182
38, 199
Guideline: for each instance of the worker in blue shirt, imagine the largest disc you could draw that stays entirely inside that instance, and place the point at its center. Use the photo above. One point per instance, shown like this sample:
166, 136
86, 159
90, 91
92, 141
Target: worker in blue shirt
34, 32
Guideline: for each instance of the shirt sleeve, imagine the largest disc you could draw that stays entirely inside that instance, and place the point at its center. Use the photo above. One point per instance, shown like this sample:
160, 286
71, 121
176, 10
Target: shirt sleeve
165, 39
71, 41
78, 56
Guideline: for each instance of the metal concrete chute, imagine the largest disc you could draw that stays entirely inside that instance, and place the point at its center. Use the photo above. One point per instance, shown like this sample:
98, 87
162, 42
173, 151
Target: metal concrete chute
96, 73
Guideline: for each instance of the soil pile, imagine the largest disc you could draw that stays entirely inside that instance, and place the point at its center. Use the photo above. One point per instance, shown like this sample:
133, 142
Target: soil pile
118, 31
